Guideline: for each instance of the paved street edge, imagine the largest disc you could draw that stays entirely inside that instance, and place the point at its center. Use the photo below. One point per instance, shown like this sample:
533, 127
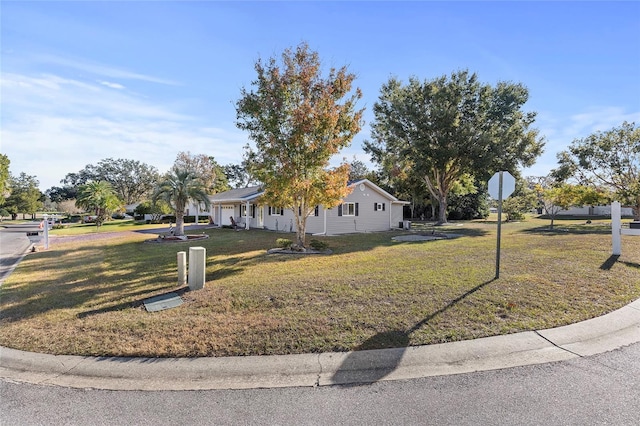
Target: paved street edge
602, 334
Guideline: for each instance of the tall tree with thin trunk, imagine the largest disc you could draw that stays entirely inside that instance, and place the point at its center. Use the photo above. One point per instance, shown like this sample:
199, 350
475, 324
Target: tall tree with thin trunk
442, 129
299, 120
24, 195
609, 159
554, 196
178, 188
5, 178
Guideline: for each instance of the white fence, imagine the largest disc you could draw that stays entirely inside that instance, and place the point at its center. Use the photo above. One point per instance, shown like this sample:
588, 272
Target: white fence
617, 230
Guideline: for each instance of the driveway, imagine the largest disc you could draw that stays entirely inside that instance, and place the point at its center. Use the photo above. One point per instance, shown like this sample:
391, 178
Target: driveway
14, 244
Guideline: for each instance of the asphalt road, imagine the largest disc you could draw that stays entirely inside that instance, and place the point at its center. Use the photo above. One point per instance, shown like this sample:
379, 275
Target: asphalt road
13, 244
597, 390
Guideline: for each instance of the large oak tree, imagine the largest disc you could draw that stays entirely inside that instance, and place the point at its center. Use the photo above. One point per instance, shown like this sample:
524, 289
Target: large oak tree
443, 129
131, 180
298, 120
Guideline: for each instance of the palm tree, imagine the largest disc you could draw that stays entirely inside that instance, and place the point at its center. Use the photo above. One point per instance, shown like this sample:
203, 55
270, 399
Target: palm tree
99, 197
179, 187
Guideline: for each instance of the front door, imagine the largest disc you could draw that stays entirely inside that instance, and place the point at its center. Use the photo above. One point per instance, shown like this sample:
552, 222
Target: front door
260, 216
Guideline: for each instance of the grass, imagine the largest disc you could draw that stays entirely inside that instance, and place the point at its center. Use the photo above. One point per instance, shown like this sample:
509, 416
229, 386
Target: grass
86, 297
110, 226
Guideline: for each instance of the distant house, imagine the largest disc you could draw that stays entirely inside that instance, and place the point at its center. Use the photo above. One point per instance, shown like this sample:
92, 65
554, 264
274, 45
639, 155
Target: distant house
367, 208
595, 211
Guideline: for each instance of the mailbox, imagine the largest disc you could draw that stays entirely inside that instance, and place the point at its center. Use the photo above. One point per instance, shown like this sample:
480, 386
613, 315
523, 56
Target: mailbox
34, 236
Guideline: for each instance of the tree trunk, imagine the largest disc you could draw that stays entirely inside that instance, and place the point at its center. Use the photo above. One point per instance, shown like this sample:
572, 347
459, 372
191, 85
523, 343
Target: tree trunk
442, 209
179, 223
439, 185
301, 224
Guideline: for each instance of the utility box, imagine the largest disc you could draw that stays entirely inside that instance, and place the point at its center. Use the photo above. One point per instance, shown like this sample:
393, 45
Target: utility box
182, 268
406, 225
197, 267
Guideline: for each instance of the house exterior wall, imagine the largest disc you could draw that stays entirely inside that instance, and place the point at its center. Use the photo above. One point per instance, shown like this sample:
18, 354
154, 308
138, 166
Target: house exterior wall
595, 211
368, 219
283, 222
376, 211
397, 214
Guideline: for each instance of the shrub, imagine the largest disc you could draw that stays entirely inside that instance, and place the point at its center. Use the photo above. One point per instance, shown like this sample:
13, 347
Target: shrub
515, 215
283, 243
318, 245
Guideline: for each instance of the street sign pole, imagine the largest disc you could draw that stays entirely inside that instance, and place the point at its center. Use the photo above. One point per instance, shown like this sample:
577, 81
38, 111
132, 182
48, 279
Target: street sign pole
499, 226
500, 186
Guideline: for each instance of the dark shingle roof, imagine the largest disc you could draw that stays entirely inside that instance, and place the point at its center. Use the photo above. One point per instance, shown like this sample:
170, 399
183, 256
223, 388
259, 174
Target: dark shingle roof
238, 194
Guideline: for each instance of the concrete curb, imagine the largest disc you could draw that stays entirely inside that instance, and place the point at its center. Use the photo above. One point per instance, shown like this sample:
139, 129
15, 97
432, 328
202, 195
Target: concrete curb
608, 332
8, 270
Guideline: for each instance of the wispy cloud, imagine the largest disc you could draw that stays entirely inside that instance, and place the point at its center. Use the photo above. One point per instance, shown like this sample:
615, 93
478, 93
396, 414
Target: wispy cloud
101, 69
112, 85
54, 125
64, 96
560, 131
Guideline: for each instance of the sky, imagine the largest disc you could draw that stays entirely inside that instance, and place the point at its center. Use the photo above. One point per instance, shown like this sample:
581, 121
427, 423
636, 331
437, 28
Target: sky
84, 81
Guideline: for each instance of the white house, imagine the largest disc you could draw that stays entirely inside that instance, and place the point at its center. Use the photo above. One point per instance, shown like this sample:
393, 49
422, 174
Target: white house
595, 211
367, 208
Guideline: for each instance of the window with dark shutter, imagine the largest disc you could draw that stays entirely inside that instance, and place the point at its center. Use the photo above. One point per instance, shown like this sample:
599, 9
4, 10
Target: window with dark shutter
316, 211
356, 209
375, 207
340, 210
383, 204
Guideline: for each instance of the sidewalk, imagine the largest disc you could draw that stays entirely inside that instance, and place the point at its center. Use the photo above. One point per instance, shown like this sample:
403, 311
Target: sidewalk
608, 332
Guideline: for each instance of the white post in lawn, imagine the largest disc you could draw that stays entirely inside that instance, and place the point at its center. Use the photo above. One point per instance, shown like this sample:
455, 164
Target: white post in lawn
46, 231
197, 267
616, 226
182, 268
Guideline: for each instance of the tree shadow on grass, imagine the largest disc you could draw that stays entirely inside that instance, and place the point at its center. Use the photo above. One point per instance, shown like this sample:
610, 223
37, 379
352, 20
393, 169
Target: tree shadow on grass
565, 229
134, 304
381, 354
68, 278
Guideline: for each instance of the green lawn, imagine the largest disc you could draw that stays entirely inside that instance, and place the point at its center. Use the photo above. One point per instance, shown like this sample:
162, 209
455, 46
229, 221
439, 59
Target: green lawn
85, 297
110, 226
